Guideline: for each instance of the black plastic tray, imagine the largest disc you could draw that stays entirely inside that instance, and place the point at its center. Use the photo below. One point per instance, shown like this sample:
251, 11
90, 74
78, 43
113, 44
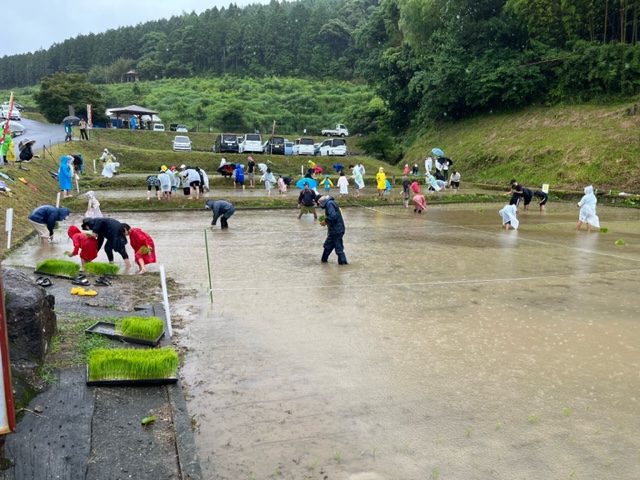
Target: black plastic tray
130, 383
109, 330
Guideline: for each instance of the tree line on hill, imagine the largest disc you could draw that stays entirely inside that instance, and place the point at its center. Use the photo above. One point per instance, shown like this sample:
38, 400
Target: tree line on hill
426, 59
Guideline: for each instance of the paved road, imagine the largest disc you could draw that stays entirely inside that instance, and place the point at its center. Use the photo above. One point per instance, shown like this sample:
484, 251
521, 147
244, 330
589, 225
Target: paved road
43, 133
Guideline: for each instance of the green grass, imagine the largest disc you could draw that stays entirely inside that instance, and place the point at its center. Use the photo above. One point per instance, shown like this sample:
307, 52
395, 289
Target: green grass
132, 364
147, 328
58, 267
101, 268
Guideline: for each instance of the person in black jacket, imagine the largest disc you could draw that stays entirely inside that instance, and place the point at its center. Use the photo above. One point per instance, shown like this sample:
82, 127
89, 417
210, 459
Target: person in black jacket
306, 201
111, 230
335, 229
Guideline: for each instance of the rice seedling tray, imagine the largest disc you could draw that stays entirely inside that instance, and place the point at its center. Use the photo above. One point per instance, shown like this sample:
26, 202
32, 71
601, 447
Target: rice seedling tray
124, 382
109, 330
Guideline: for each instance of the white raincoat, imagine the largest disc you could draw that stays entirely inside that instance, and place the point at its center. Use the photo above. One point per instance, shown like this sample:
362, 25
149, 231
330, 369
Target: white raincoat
588, 208
508, 214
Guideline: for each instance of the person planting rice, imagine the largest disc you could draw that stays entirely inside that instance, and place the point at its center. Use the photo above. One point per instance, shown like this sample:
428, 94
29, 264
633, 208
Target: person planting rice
143, 247
221, 209
587, 212
84, 245
509, 218
543, 196
44, 218
419, 203
111, 230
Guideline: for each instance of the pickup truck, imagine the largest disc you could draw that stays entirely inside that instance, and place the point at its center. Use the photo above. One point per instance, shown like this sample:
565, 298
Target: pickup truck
339, 131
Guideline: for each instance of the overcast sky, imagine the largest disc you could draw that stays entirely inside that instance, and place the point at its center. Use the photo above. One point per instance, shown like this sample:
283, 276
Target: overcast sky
45, 22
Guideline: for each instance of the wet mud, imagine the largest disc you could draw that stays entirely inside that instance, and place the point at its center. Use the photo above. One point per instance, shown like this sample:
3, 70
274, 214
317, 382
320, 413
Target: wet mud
447, 348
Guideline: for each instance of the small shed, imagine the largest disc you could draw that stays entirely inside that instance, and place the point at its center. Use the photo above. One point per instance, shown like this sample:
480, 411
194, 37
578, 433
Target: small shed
131, 76
123, 116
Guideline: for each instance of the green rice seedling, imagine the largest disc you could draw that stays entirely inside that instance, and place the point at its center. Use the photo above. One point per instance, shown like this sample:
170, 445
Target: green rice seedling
313, 464
435, 474
147, 328
604, 229
148, 420
566, 412
101, 268
533, 418
55, 266
469, 430
619, 241
132, 364
571, 440
321, 218
337, 455
374, 450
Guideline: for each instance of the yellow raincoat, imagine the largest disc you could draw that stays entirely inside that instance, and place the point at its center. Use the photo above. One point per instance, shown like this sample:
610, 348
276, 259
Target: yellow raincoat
380, 179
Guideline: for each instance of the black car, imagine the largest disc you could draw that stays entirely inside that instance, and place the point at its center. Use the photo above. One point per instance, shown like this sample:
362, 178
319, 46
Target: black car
274, 146
226, 142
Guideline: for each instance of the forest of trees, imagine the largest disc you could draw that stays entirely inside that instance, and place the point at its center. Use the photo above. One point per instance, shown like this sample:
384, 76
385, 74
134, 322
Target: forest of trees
426, 59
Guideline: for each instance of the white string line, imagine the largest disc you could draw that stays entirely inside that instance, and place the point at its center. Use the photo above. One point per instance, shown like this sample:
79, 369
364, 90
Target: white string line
413, 284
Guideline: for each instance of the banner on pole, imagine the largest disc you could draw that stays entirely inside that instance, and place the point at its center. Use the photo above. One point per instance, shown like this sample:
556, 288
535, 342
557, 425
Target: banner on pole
89, 116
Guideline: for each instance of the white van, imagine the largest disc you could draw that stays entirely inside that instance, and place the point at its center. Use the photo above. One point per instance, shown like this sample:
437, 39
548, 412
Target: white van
158, 127
303, 146
251, 142
333, 146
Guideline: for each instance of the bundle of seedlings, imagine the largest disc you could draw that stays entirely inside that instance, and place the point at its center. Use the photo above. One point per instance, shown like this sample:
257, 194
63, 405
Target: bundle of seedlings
147, 328
53, 266
132, 363
101, 268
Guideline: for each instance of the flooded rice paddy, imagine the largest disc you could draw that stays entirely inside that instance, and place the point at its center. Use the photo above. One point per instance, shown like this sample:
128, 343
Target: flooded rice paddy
448, 348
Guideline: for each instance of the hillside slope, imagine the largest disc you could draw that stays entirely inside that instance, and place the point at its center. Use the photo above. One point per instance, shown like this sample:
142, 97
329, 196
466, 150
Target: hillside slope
565, 146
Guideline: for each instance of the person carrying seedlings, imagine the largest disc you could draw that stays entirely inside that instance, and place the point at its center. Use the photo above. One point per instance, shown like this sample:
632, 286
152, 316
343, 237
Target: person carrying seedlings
84, 245
306, 201
44, 218
221, 209
587, 212
112, 231
381, 181
509, 217
93, 207
143, 247
335, 229
543, 197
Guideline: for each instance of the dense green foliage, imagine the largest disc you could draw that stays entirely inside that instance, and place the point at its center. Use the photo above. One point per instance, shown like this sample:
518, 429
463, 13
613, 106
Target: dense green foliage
60, 90
307, 38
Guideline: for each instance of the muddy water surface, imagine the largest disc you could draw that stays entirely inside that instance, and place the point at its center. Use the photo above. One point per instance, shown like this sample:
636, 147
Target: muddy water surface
448, 348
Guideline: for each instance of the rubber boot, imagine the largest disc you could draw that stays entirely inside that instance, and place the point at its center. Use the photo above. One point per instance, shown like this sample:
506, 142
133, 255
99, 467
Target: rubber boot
342, 259
325, 256
223, 223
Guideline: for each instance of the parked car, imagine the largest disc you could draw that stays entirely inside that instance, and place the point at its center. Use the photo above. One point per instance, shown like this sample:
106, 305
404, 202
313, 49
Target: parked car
303, 146
15, 128
16, 105
226, 142
158, 127
339, 131
251, 142
182, 129
181, 142
288, 147
333, 146
173, 127
14, 115
274, 146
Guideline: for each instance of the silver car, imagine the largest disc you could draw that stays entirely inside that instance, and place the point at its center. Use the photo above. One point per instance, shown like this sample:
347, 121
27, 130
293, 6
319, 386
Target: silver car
181, 142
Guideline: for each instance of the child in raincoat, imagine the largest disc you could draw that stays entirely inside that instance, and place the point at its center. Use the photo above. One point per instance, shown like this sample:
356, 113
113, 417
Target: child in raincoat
419, 203
143, 246
588, 210
85, 245
509, 218
282, 186
381, 181
343, 184
93, 207
327, 183
269, 180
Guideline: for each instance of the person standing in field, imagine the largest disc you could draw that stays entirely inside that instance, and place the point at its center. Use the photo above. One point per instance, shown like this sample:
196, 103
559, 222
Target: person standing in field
251, 171
335, 229
380, 181
93, 205
83, 129
221, 209
454, 181
343, 184
543, 197
306, 199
